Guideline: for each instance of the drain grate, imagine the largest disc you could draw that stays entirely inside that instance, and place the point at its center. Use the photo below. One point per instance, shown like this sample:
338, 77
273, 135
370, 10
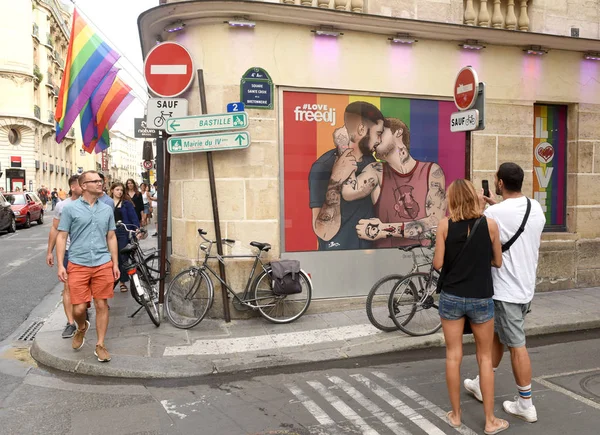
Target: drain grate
30, 332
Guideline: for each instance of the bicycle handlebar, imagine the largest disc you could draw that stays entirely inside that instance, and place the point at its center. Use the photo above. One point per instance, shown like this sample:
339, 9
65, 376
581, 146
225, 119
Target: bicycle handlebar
120, 224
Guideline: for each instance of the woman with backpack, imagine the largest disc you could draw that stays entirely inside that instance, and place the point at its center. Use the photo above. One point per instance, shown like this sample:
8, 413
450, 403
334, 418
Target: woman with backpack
124, 212
467, 246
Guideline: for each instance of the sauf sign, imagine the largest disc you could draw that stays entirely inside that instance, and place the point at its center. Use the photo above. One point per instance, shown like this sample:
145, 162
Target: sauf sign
469, 98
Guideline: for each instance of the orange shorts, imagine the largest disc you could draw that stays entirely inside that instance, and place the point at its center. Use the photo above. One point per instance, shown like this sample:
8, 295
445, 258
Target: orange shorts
86, 282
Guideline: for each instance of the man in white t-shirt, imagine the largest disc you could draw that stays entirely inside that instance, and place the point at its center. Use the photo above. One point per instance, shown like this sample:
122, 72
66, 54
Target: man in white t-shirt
75, 193
514, 284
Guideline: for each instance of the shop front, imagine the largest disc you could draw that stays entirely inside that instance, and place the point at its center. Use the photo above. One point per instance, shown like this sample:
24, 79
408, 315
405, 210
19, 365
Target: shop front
330, 92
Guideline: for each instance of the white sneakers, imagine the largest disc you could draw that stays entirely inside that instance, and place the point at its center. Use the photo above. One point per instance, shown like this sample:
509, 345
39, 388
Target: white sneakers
472, 386
515, 408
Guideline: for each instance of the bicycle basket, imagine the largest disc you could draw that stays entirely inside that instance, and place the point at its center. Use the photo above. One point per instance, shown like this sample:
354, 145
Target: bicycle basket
286, 277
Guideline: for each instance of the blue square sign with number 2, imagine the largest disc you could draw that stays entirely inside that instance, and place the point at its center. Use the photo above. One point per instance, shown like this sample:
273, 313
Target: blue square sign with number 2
235, 107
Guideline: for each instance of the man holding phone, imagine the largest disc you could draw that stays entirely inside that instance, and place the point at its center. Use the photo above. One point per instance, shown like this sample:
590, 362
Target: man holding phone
514, 282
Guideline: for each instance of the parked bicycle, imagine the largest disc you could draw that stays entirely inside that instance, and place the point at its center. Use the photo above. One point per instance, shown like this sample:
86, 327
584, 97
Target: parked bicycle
144, 273
191, 293
377, 303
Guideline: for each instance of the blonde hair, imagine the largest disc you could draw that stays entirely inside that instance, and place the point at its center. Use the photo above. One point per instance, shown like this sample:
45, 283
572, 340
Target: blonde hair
463, 202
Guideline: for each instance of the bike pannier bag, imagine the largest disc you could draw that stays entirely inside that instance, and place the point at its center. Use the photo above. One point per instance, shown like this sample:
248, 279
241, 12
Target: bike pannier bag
286, 277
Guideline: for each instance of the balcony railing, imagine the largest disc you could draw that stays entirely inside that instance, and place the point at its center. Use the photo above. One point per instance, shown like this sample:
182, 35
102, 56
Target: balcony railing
511, 15
49, 40
340, 5
37, 112
50, 116
36, 31
50, 81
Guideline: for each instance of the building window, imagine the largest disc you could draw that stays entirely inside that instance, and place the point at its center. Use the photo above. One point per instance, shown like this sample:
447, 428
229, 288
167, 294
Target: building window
14, 137
550, 163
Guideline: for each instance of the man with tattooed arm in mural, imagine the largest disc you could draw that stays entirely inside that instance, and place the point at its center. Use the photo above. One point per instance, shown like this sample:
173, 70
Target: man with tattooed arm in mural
335, 219
409, 196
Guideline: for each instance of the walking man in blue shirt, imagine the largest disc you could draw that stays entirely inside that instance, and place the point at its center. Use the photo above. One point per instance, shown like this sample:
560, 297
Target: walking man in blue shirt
93, 264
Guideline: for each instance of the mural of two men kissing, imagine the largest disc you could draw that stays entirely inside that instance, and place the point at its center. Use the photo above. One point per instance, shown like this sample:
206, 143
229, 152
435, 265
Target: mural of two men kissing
365, 172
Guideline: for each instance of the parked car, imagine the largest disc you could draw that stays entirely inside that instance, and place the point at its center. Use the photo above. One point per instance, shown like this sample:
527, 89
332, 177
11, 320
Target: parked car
7, 216
27, 207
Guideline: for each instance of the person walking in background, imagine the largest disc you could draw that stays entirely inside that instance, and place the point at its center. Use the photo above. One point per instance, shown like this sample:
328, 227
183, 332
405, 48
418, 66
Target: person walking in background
124, 212
43, 194
514, 282
136, 197
146, 201
154, 204
54, 197
62, 195
103, 196
467, 245
74, 193
93, 265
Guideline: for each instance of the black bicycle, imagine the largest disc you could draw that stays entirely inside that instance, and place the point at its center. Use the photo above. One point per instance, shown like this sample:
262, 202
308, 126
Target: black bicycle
191, 292
144, 273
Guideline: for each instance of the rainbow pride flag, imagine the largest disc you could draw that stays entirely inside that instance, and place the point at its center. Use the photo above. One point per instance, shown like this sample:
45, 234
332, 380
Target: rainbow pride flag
305, 139
117, 99
89, 60
87, 117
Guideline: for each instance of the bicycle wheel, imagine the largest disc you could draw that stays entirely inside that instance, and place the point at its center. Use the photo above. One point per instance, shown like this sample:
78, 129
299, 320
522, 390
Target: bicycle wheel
149, 297
189, 297
378, 302
152, 263
419, 316
280, 308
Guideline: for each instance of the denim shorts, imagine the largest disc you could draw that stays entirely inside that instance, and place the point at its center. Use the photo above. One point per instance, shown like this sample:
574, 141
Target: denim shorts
455, 307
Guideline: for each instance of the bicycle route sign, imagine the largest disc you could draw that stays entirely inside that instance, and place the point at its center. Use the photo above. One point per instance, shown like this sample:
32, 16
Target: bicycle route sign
466, 120
161, 110
202, 123
208, 142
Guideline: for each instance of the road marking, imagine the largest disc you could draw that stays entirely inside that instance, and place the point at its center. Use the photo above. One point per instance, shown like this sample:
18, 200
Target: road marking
436, 410
383, 416
168, 69
273, 341
316, 411
170, 408
398, 404
542, 380
343, 409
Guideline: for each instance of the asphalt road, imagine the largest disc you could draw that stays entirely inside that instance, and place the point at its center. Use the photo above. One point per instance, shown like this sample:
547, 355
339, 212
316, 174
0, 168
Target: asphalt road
402, 393
24, 276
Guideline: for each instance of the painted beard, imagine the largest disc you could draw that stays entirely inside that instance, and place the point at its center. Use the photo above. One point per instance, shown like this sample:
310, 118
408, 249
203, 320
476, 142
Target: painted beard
363, 145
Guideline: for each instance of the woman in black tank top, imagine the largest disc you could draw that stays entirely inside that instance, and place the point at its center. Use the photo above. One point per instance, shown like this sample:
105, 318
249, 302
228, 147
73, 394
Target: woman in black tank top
467, 292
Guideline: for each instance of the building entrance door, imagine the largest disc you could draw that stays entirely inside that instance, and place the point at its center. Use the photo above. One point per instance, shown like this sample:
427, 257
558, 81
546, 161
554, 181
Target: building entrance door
16, 178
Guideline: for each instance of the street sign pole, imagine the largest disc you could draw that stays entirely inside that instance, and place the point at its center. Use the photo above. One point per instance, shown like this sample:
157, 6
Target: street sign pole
215, 206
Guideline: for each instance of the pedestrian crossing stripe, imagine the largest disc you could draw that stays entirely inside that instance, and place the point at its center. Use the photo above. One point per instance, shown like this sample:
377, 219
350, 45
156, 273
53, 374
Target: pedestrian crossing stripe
328, 422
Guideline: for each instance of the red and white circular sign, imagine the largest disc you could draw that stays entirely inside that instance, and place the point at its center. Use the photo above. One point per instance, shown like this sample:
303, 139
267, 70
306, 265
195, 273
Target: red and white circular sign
168, 69
147, 164
465, 88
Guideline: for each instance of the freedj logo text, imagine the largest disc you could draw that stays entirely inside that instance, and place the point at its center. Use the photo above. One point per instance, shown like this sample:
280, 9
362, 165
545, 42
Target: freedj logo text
315, 113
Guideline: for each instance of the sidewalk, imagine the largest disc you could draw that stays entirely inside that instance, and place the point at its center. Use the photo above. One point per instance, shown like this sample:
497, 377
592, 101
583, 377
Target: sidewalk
140, 350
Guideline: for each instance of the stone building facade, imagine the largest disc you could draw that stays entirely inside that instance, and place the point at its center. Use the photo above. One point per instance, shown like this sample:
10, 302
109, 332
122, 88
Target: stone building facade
32, 63
531, 65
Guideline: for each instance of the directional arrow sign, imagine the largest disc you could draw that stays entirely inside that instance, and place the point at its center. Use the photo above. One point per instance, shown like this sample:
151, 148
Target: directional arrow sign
201, 123
208, 142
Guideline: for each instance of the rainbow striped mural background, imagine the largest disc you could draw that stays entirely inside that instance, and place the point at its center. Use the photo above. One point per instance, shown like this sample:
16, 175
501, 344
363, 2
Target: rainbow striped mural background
549, 161
305, 141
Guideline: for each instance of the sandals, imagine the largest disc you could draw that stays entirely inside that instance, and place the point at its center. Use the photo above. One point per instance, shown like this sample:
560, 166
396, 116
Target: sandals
124, 288
455, 426
503, 427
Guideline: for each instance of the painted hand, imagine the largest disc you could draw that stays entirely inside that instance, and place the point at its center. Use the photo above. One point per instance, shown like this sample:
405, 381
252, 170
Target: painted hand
369, 229
343, 167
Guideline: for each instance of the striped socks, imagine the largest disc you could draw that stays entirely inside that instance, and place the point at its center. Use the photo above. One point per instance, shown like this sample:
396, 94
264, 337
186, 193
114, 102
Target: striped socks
525, 400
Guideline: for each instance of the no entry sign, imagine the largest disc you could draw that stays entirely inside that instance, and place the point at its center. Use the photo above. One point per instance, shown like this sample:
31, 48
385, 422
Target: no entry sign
168, 69
466, 88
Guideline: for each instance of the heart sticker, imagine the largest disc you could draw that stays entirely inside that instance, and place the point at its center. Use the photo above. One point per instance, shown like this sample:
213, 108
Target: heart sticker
544, 152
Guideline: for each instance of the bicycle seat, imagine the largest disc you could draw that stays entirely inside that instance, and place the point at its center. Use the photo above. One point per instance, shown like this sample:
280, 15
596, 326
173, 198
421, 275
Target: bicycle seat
409, 247
262, 246
127, 249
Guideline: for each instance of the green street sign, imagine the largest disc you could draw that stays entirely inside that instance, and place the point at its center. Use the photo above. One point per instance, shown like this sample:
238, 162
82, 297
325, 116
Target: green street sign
202, 123
208, 142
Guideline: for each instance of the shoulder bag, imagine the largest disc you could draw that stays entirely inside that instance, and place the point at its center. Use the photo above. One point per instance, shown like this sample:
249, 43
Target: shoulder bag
514, 238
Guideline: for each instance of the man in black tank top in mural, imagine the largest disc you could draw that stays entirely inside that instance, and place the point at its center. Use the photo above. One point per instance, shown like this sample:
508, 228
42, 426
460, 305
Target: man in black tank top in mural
334, 219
